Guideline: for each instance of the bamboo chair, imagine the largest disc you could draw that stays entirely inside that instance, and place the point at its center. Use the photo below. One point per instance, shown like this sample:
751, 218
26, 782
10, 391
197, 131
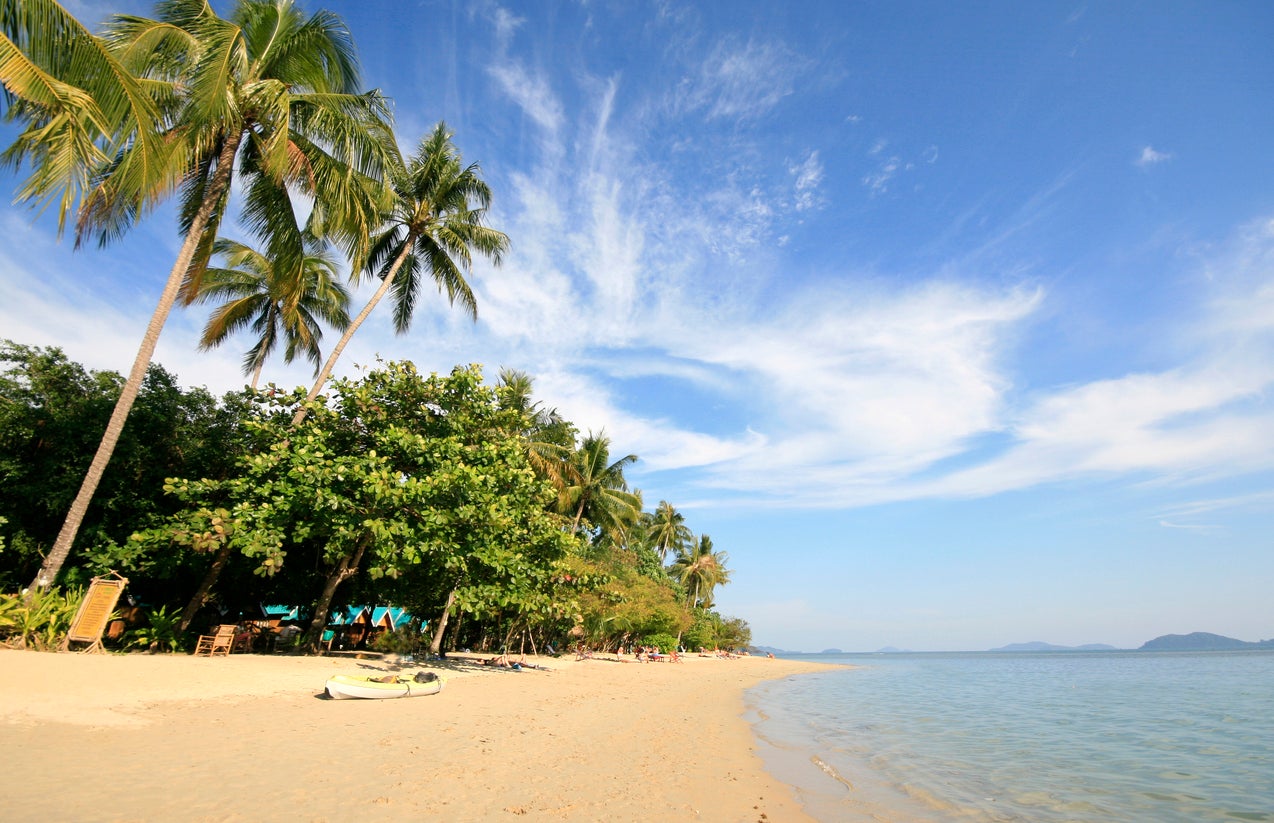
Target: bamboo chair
222, 642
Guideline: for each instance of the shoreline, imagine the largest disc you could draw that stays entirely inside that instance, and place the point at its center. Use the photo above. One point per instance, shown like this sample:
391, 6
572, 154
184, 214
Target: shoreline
248, 737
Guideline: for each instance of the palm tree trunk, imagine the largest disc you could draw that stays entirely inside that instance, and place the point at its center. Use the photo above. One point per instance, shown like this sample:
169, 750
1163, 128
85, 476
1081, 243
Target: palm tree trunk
435, 645
347, 568
579, 514
53, 563
201, 594
256, 373
353, 327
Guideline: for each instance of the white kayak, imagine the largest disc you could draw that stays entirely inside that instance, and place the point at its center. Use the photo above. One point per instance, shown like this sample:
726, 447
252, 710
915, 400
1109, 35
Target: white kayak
345, 686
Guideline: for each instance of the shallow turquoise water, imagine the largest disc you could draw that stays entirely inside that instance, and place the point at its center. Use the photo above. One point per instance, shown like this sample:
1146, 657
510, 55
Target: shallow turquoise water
1105, 736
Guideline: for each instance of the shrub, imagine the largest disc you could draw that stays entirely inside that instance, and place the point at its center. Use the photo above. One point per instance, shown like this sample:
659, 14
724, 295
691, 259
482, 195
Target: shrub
42, 623
666, 643
402, 640
163, 633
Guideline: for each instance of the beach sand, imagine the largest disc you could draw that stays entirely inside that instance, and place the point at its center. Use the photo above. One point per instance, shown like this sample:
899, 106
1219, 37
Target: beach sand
251, 738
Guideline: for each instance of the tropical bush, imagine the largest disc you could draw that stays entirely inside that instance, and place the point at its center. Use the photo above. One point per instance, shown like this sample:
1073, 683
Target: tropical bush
162, 634
402, 640
40, 623
666, 643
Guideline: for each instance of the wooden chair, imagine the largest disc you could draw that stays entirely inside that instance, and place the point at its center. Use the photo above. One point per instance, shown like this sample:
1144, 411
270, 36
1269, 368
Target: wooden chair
222, 642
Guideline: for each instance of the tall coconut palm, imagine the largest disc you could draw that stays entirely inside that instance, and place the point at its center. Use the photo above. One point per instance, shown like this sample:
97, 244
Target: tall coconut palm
701, 570
431, 230
598, 491
81, 110
668, 530
270, 90
255, 292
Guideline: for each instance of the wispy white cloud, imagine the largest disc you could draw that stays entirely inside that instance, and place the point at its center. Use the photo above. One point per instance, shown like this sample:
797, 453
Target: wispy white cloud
807, 179
887, 167
1196, 528
740, 81
1150, 157
1254, 501
505, 23
531, 93
878, 179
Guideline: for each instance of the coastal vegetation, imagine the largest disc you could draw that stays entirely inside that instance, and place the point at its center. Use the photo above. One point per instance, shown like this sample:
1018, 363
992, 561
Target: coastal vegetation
457, 500
488, 517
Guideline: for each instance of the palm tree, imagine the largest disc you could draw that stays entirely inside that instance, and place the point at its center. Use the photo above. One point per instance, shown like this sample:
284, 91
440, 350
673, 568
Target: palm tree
700, 570
80, 107
433, 227
269, 88
548, 437
273, 303
668, 530
598, 491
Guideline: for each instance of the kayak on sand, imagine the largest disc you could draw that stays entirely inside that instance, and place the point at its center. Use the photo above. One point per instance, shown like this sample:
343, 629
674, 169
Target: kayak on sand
345, 686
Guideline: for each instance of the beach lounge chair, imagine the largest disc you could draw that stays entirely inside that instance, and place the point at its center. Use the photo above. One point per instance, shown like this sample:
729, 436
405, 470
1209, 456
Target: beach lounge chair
221, 642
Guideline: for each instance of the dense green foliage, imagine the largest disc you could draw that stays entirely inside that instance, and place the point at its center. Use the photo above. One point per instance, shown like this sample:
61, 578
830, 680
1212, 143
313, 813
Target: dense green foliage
52, 412
420, 491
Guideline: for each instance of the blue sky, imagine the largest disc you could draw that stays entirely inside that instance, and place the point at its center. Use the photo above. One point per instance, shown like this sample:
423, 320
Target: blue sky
951, 323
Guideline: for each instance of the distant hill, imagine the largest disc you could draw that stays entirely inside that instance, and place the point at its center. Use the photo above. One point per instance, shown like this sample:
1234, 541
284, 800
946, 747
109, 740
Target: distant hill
831, 651
1201, 642
1039, 646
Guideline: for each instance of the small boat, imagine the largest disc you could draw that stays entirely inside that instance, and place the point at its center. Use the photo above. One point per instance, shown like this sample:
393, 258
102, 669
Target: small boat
345, 686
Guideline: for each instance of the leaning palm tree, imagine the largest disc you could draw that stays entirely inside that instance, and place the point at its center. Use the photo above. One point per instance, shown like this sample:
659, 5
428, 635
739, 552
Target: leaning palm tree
80, 110
598, 491
268, 90
256, 293
668, 530
701, 570
432, 229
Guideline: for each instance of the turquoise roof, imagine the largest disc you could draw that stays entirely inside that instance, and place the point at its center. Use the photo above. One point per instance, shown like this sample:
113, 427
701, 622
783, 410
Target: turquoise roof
350, 614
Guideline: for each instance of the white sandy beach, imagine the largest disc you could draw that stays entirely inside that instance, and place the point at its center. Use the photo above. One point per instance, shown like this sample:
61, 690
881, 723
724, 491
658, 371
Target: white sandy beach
250, 737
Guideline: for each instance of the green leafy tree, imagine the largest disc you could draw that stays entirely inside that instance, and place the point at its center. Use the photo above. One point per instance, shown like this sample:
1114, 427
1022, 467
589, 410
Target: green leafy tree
712, 631
432, 229
51, 415
616, 603
275, 304
412, 482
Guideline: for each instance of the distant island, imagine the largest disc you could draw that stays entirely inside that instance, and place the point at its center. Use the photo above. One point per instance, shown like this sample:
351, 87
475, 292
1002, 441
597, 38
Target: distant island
1201, 642
1195, 642
1039, 646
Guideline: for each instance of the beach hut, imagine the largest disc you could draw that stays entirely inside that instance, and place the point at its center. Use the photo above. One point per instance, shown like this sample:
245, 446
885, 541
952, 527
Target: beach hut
389, 618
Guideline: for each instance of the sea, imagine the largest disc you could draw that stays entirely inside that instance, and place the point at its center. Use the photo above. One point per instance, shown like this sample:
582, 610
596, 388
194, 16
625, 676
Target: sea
1044, 737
